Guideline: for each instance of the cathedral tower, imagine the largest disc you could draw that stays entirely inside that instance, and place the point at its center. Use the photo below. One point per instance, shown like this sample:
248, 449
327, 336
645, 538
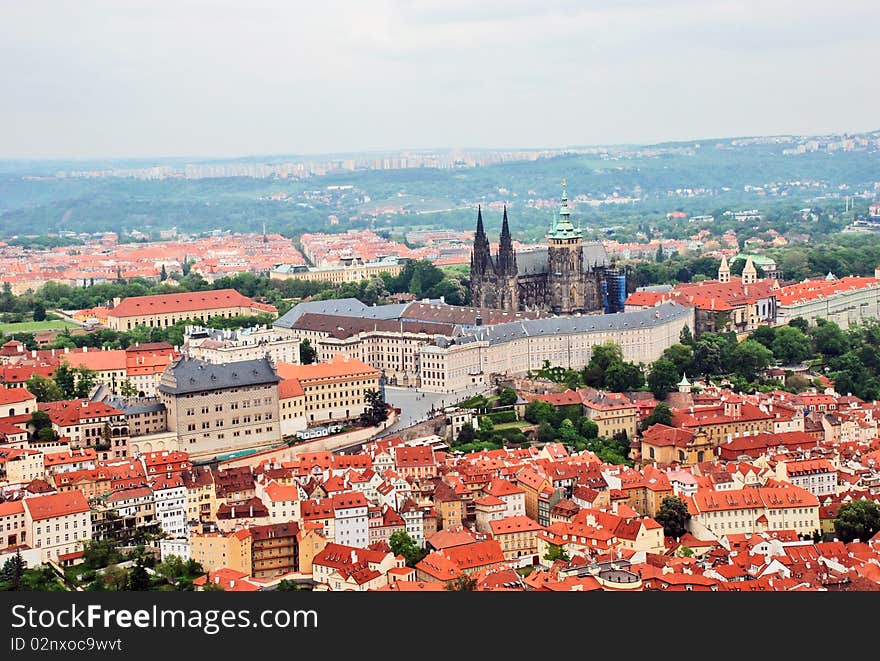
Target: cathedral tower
482, 269
505, 270
567, 275
724, 270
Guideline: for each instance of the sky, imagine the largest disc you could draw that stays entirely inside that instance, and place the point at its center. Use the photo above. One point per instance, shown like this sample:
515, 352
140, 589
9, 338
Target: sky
216, 78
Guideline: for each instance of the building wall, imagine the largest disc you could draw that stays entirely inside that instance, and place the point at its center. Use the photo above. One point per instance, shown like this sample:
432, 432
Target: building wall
337, 398
214, 551
518, 544
352, 273
165, 319
58, 535
274, 556
843, 308
212, 422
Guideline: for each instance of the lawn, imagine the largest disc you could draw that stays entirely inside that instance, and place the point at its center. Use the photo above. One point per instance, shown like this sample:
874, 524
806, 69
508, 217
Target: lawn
519, 424
33, 326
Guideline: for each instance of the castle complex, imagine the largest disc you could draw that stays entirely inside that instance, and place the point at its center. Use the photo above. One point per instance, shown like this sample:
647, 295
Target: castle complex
567, 277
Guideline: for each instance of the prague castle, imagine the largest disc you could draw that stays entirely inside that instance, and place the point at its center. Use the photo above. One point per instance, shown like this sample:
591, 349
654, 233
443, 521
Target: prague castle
567, 277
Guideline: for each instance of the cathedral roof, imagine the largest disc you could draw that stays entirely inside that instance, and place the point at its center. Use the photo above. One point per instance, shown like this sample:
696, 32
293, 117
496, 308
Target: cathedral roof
535, 262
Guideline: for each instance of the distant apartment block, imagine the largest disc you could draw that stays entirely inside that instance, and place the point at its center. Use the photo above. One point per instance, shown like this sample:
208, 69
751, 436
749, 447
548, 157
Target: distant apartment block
351, 269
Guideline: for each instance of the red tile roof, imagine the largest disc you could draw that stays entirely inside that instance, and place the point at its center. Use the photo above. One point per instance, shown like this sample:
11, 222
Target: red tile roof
54, 505
134, 306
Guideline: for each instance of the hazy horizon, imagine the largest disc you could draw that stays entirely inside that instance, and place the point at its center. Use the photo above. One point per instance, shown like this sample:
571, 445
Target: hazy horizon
216, 79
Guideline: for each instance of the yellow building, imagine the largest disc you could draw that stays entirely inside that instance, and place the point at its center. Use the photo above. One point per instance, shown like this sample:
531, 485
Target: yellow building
353, 270
612, 412
331, 391
666, 445
163, 310
517, 535
215, 550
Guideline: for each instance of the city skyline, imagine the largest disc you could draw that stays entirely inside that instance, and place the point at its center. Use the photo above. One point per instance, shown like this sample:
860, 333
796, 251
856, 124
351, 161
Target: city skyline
216, 80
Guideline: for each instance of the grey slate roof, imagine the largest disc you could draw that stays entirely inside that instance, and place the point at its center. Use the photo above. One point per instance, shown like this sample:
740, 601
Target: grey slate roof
136, 405
536, 261
188, 375
582, 324
341, 307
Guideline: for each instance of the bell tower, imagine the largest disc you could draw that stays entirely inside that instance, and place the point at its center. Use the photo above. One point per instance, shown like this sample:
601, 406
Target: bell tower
566, 279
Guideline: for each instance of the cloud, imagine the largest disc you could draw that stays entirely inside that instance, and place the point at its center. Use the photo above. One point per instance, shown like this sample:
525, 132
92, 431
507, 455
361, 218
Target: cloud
102, 77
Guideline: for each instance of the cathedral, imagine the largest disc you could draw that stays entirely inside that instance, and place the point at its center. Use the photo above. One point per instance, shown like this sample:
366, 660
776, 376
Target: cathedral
567, 277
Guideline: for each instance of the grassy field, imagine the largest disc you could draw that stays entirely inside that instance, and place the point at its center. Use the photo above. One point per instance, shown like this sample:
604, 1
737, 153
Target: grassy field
33, 326
519, 424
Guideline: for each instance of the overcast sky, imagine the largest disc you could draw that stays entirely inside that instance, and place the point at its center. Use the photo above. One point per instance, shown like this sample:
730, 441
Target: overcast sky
126, 78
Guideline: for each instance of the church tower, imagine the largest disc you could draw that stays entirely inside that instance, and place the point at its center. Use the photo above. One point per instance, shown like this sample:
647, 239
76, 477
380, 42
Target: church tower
724, 270
505, 270
567, 276
750, 273
482, 271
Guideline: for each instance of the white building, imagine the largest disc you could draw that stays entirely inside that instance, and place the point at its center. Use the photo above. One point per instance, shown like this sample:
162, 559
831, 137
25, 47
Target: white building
178, 547
170, 495
230, 346
350, 512
58, 524
818, 476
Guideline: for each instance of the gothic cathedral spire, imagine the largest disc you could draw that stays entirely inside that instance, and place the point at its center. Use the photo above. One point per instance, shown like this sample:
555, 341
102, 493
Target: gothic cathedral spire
506, 256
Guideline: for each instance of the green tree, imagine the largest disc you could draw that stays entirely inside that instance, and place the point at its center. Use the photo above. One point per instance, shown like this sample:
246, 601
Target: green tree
682, 356
13, 570
661, 415
707, 358
800, 323
47, 435
466, 434
402, 543
44, 389
66, 380
138, 579
537, 411
377, 411
163, 274
39, 421
791, 345
546, 433
556, 552
126, 389
507, 397
673, 515
602, 358
307, 354
285, 585
686, 337
766, 335
39, 311
624, 377
857, 519
115, 578
751, 357
663, 378
828, 339
589, 429
86, 379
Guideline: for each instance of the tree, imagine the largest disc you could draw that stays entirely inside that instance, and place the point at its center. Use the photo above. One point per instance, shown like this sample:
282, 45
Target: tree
624, 377
537, 411
163, 274
707, 358
603, 357
589, 429
661, 415
828, 339
751, 357
686, 337
307, 354
402, 544
766, 335
39, 312
673, 516
857, 519
682, 356
115, 578
463, 583
13, 570
85, 381
800, 323
171, 568
791, 345
663, 378
546, 433
126, 389
40, 420
44, 389
556, 552
466, 434
377, 410
66, 380
285, 585
138, 579
507, 397
47, 435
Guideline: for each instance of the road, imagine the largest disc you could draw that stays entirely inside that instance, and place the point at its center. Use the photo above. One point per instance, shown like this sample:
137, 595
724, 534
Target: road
416, 406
